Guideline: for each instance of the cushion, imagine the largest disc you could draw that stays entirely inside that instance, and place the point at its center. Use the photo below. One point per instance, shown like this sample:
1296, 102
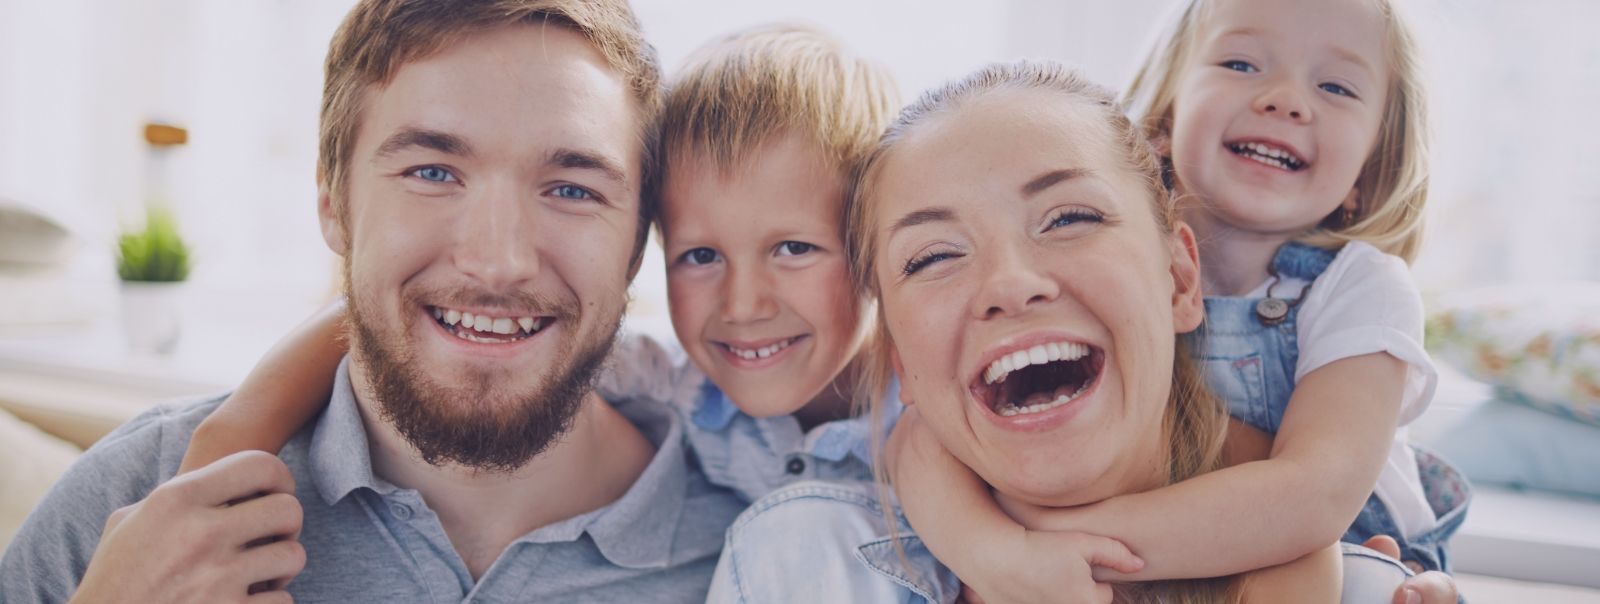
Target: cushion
1538, 342
1509, 444
30, 462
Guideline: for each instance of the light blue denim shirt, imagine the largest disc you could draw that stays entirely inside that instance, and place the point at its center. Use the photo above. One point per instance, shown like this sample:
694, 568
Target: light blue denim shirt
750, 455
829, 542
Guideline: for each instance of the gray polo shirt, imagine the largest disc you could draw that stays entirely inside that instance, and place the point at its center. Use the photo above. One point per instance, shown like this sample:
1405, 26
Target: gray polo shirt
369, 541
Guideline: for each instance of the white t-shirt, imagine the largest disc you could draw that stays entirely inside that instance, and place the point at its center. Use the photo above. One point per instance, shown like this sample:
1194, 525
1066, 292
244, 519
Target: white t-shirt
1365, 302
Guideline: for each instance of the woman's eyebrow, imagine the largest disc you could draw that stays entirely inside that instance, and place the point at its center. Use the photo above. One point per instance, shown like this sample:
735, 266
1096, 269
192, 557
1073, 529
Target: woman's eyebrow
1051, 178
922, 217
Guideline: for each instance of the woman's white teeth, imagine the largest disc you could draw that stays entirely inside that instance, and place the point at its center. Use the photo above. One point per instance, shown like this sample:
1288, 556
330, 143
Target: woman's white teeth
488, 324
749, 354
1038, 355
1059, 400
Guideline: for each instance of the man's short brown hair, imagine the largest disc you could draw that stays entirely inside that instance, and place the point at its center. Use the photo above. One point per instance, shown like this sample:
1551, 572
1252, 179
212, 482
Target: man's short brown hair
379, 36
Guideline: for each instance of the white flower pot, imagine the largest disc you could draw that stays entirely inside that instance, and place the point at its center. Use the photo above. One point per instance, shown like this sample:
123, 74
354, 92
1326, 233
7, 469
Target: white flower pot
151, 315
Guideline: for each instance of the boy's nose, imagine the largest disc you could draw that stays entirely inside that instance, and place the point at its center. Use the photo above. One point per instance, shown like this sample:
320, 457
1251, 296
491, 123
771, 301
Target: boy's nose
747, 296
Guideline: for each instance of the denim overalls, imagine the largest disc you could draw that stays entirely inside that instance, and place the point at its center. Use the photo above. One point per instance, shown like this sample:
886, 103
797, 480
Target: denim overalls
1251, 365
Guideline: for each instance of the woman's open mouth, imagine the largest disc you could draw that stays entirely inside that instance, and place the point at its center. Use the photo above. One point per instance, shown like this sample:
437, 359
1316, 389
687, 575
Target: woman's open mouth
1038, 379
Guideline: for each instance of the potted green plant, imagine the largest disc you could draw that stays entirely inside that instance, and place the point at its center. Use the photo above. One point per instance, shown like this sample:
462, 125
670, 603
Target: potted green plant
153, 263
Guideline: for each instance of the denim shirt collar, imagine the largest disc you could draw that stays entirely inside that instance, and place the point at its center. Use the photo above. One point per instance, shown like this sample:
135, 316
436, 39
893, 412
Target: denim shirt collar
635, 531
917, 571
833, 441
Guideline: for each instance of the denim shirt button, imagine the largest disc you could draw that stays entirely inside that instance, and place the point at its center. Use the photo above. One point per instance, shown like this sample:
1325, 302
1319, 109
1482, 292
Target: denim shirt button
795, 466
400, 510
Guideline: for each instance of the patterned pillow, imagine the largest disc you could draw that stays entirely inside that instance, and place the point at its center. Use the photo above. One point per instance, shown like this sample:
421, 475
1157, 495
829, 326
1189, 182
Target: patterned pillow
1539, 344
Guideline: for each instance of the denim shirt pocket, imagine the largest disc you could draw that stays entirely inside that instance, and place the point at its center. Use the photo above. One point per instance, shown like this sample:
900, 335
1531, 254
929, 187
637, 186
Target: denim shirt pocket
1241, 381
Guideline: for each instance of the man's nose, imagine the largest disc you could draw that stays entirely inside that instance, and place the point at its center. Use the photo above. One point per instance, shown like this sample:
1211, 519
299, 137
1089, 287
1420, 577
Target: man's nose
495, 239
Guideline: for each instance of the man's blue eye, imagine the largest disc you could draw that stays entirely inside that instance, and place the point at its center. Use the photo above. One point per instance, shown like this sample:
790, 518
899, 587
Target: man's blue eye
794, 248
700, 256
572, 192
434, 174
1336, 89
1239, 66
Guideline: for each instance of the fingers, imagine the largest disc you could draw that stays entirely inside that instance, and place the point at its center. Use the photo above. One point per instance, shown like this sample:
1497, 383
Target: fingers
270, 597
238, 476
1432, 587
969, 595
1385, 545
1103, 593
274, 563
1110, 553
277, 515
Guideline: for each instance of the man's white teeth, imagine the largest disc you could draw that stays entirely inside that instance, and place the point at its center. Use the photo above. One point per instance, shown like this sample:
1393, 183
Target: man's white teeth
488, 324
749, 354
1038, 355
1058, 401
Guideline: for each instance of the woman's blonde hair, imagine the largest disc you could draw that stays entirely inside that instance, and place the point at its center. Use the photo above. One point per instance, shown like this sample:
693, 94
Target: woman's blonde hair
1393, 184
1195, 420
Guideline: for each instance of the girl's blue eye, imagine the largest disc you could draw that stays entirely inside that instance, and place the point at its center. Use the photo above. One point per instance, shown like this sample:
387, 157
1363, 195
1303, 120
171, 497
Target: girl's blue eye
1074, 216
795, 248
1336, 89
433, 174
1239, 66
699, 256
571, 192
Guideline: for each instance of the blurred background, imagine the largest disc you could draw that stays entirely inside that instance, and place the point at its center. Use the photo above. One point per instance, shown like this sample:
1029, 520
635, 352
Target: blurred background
1514, 207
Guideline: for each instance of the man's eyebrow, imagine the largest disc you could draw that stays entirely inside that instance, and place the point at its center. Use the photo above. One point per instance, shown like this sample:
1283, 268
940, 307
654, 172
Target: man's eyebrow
1049, 179
588, 160
442, 142
922, 217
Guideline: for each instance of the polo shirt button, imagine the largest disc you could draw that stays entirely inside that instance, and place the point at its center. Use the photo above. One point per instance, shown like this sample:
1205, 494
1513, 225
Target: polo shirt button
400, 510
795, 466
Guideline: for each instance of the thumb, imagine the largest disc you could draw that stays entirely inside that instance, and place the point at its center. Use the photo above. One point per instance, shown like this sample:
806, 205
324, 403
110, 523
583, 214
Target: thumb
1109, 553
1385, 545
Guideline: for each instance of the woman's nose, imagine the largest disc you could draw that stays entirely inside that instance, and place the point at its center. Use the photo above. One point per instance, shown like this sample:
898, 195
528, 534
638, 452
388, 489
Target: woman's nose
1013, 282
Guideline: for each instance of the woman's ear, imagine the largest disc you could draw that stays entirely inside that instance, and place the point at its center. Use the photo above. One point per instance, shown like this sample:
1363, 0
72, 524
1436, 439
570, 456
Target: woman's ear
1188, 302
334, 230
900, 374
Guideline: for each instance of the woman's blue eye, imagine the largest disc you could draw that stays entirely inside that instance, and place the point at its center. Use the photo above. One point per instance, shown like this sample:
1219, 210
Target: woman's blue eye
571, 192
433, 174
1336, 89
1071, 217
1240, 66
920, 262
795, 248
700, 256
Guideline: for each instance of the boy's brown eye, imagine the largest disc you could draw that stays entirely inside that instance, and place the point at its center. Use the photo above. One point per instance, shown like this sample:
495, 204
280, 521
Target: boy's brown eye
700, 255
795, 248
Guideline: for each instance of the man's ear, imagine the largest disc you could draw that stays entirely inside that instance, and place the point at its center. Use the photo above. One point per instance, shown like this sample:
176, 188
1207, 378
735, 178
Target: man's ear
1188, 301
900, 374
334, 232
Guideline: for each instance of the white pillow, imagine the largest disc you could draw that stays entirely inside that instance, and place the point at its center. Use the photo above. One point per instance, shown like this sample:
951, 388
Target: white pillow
30, 463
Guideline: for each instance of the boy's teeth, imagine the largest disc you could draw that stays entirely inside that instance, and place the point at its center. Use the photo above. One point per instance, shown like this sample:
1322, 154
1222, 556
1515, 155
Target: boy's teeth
451, 317
526, 323
750, 354
1037, 355
503, 326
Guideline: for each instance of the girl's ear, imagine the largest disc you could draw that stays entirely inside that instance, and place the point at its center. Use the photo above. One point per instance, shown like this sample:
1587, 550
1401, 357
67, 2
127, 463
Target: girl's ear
1352, 201
1188, 301
900, 374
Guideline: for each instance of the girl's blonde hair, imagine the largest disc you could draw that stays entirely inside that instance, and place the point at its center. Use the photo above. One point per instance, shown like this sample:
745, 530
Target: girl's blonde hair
1195, 420
1393, 184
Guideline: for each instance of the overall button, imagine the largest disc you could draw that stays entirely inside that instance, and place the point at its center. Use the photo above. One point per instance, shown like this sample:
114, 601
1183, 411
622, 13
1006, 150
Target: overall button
400, 510
795, 466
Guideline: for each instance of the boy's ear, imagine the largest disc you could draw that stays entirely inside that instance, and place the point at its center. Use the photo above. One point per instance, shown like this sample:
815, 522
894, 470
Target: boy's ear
1188, 301
900, 374
334, 232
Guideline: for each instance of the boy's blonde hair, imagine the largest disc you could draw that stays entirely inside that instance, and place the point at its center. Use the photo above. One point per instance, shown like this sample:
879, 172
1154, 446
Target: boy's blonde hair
378, 37
1195, 420
739, 92
1393, 184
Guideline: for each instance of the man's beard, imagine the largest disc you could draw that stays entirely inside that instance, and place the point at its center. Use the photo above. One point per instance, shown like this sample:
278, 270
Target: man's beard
480, 425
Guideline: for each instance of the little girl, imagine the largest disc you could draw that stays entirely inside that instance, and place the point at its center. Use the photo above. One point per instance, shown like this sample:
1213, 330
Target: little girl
759, 135
1295, 131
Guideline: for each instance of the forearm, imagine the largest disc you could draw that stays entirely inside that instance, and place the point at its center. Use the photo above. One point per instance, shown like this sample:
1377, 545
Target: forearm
948, 505
283, 392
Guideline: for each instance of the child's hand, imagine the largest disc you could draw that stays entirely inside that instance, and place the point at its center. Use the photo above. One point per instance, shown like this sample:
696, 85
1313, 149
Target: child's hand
1431, 587
1050, 567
